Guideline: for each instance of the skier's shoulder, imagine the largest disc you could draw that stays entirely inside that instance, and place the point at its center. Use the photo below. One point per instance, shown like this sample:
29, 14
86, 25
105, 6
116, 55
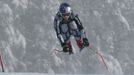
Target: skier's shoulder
74, 15
58, 16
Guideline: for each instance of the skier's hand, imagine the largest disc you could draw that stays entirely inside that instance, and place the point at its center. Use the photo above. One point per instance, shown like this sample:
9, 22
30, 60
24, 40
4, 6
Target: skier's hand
65, 47
85, 42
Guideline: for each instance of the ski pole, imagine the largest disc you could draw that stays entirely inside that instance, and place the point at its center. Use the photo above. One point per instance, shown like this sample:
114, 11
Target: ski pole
58, 50
102, 58
1, 62
99, 54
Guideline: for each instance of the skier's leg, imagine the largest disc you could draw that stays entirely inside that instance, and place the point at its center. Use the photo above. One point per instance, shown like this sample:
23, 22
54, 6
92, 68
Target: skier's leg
67, 47
79, 42
70, 47
78, 39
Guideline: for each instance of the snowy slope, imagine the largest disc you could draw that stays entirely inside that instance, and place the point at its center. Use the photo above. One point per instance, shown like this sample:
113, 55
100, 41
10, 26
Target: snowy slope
41, 74
27, 37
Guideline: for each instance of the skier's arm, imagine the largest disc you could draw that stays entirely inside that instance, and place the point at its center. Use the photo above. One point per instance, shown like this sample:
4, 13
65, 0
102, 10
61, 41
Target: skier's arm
82, 31
80, 26
78, 22
56, 27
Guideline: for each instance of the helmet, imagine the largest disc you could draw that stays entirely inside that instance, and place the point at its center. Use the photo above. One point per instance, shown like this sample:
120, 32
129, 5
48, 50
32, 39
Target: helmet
65, 9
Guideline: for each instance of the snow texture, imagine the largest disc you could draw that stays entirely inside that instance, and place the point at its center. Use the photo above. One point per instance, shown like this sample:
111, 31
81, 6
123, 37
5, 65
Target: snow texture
27, 37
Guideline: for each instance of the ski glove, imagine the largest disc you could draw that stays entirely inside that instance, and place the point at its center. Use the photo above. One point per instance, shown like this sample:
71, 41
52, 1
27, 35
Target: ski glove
65, 47
85, 42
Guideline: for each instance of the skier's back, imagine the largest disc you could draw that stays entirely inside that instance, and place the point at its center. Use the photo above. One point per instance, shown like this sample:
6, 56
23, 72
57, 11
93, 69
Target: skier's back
66, 23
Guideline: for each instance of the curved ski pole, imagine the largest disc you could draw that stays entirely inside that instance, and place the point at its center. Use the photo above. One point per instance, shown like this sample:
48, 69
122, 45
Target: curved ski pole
102, 58
99, 54
1, 62
55, 51
58, 50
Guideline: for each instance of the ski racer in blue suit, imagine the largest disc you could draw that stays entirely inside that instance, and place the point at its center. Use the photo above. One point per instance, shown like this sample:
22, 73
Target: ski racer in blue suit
67, 24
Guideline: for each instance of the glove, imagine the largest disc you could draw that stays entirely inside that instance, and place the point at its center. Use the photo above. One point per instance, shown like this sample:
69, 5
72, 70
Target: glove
85, 42
65, 47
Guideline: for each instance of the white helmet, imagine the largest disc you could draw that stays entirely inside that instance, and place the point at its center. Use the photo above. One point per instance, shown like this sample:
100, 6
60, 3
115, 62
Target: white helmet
65, 9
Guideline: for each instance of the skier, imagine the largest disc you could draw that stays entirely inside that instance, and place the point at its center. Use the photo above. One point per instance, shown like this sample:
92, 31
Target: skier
66, 24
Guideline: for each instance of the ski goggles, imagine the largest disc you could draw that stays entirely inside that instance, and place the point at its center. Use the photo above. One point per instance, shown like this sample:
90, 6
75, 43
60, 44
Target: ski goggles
67, 14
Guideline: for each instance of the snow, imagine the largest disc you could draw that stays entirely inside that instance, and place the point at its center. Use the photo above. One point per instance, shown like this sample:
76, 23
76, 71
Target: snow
43, 74
27, 37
